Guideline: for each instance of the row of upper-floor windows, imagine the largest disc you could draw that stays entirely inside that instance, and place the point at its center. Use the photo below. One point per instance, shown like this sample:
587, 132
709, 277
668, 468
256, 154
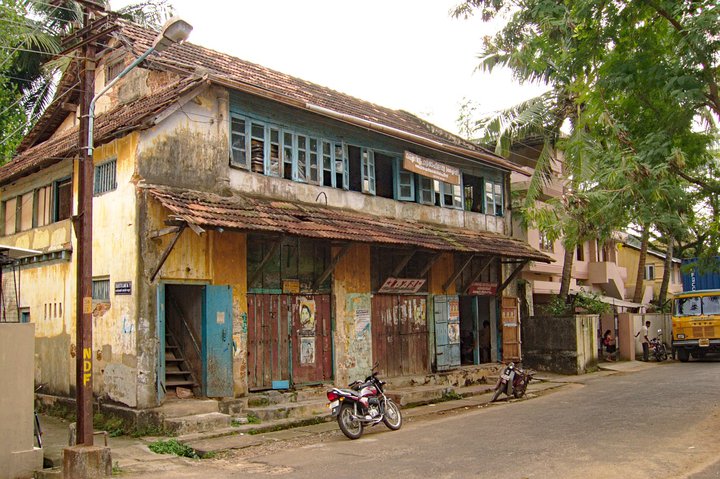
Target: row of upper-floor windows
51, 202
281, 152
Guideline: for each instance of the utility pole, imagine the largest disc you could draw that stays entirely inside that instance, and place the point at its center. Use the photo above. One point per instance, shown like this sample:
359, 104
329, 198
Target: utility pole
83, 229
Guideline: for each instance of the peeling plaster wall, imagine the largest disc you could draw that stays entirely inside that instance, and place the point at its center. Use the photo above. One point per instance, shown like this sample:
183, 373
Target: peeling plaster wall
47, 288
229, 260
190, 148
351, 293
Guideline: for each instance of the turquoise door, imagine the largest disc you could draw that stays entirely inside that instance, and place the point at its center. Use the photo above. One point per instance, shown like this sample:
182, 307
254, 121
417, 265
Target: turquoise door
217, 350
447, 331
160, 343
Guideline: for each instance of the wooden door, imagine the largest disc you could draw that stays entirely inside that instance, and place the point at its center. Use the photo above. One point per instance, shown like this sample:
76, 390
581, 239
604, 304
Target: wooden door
447, 331
510, 323
400, 334
217, 351
311, 339
268, 340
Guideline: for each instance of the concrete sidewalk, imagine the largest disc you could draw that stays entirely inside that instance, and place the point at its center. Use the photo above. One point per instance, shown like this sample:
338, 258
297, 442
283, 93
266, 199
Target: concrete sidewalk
128, 452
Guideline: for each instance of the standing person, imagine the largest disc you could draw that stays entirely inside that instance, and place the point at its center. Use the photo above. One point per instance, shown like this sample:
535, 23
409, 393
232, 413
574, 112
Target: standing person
645, 340
609, 343
485, 342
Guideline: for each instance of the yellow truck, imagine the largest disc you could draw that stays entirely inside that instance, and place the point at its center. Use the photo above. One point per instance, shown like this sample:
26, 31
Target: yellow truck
696, 323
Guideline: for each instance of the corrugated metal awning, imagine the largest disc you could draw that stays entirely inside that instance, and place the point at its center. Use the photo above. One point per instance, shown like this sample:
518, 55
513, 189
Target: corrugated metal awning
246, 213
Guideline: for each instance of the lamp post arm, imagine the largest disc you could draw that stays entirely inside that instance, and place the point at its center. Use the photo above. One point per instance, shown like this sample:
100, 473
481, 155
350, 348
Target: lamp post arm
91, 113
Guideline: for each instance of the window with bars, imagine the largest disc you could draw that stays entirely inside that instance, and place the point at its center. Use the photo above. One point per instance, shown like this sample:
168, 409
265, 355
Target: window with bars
101, 290
105, 177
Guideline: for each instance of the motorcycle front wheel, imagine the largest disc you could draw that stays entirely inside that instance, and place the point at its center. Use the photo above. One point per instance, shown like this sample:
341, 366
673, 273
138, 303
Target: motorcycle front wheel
392, 417
496, 394
349, 424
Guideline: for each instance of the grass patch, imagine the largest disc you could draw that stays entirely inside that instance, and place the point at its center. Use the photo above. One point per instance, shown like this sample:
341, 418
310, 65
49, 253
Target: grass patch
451, 395
116, 471
172, 446
114, 425
253, 419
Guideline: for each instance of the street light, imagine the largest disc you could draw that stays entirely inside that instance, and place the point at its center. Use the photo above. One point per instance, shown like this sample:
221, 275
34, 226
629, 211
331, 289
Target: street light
174, 31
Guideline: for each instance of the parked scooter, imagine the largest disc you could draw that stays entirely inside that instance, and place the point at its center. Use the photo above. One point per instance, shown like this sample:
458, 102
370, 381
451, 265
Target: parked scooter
363, 404
513, 381
659, 350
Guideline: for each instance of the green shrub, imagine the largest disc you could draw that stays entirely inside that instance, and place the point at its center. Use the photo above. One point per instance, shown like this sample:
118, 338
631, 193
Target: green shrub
172, 446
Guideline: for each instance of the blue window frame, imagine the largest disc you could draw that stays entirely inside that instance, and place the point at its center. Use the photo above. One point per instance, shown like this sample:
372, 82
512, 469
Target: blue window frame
426, 193
368, 171
268, 149
493, 198
404, 182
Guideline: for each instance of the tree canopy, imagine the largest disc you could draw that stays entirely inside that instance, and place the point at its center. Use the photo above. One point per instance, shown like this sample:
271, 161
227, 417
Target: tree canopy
638, 79
30, 39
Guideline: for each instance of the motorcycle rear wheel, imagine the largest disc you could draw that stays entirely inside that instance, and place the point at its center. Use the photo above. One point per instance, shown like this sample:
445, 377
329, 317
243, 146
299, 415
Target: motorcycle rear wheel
520, 390
392, 417
351, 426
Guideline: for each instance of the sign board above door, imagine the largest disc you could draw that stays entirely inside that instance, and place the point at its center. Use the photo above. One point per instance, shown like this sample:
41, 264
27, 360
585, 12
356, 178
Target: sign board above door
482, 289
401, 285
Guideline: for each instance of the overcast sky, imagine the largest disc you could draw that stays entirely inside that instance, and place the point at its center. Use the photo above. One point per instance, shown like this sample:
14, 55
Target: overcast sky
402, 54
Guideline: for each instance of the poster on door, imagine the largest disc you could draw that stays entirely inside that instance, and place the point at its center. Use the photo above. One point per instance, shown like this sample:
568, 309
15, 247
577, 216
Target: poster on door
307, 350
307, 317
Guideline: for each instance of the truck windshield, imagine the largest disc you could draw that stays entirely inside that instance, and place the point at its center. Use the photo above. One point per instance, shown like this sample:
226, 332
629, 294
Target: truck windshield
711, 305
688, 306
697, 305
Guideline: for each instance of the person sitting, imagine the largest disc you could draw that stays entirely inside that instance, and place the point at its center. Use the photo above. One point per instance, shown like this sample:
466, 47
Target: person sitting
609, 343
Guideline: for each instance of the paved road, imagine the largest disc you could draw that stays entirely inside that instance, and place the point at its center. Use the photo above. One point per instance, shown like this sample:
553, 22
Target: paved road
661, 422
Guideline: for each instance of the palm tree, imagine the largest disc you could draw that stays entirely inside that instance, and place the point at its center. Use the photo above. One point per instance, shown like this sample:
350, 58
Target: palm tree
33, 70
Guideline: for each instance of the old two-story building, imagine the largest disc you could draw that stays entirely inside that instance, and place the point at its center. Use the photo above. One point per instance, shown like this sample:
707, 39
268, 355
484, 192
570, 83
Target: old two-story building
252, 230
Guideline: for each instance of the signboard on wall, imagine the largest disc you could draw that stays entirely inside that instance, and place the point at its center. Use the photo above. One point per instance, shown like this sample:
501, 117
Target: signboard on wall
401, 285
431, 168
291, 286
482, 289
123, 287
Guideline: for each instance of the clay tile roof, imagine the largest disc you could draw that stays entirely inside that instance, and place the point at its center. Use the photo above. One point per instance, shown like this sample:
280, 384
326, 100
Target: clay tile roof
108, 126
246, 213
282, 87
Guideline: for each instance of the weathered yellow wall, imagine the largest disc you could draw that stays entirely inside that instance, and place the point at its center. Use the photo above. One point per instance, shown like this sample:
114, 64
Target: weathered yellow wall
229, 257
440, 272
351, 286
629, 258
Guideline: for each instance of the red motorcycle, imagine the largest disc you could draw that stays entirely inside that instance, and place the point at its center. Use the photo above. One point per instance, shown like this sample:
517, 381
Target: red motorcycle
512, 381
363, 404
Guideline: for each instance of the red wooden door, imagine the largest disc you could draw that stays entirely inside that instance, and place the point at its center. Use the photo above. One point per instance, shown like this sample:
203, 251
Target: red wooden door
268, 340
400, 334
311, 339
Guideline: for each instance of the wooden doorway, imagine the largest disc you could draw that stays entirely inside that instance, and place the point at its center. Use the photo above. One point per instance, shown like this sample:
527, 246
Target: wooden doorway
400, 334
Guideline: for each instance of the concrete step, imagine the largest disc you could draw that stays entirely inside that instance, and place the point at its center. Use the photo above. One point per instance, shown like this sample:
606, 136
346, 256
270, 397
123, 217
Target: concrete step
290, 410
269, 398
196, 423
247, 435
185, 407
51, 473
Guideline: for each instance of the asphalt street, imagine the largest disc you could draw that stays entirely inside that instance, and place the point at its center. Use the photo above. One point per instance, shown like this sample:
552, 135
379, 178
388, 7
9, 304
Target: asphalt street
660, 422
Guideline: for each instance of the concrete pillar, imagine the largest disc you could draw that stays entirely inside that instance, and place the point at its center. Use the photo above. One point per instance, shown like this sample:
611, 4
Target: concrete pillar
626, 337
18, 456
86, 462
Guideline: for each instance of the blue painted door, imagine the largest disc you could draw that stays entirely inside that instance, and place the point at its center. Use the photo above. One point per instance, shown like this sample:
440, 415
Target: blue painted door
160, 343
447, 331
217, 348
